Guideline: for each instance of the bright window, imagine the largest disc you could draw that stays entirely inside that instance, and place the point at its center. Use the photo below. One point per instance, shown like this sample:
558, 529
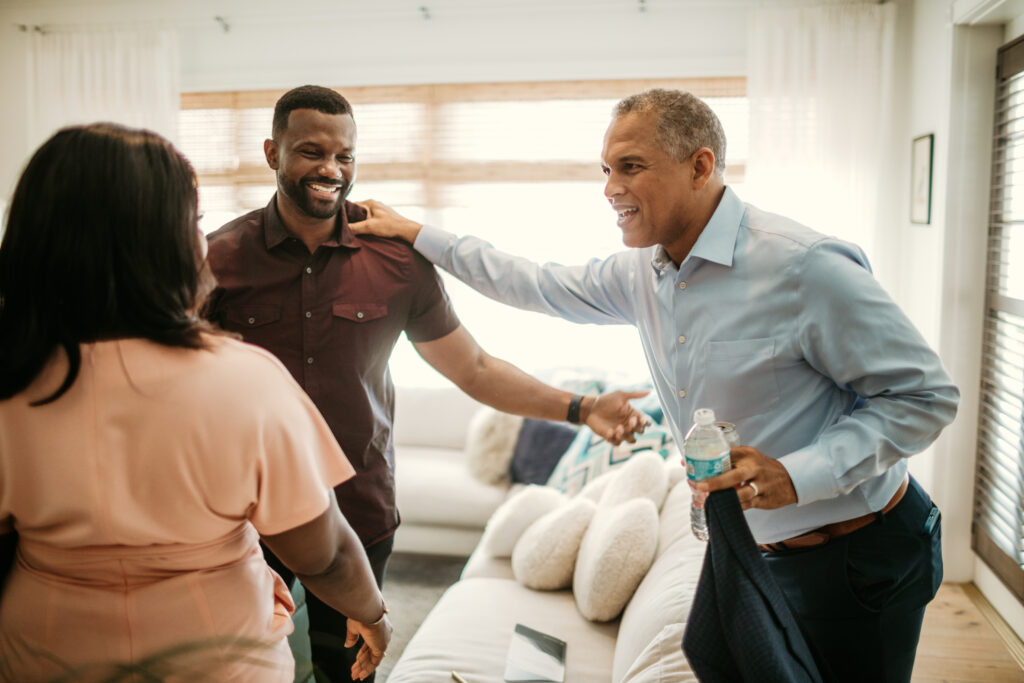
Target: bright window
515, 163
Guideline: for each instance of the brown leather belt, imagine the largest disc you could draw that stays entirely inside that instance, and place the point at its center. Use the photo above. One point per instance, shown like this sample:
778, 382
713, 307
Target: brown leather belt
823, 535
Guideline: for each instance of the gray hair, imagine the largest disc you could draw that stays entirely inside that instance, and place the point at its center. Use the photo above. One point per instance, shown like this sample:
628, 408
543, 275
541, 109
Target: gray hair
685, 123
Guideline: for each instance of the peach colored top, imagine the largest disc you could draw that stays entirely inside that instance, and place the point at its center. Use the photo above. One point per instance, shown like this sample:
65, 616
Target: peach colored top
139, 497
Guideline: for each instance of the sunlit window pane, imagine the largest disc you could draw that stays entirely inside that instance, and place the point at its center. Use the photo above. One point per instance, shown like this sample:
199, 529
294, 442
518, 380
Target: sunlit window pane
389, 132
565, 222
254, 126
468, 165
555, 130
207, 138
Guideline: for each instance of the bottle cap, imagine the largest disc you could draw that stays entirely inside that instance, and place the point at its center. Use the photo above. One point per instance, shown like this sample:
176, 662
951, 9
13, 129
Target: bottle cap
704, 416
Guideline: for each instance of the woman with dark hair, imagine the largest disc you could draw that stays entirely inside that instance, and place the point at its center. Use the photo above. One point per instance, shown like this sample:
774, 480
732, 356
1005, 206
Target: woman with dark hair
136, 484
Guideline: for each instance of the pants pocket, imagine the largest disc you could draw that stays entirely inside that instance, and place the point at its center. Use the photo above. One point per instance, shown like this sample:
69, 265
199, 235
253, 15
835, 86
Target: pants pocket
897, 564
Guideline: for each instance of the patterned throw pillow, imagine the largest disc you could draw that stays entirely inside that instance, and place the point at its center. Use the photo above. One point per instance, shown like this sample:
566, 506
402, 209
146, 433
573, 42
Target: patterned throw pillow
538, 449
589, 456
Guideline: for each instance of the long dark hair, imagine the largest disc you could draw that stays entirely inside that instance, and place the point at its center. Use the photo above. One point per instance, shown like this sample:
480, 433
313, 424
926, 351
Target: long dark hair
101, 242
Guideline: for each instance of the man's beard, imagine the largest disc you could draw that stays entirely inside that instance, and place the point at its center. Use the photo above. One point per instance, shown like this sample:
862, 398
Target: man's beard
296, 191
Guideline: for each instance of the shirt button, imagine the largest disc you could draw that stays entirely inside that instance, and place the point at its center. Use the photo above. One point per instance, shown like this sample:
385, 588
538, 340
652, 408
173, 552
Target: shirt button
359, 314
682, 285
309, 269
309, 314
309, 361
252, 321
682, 392
682, 339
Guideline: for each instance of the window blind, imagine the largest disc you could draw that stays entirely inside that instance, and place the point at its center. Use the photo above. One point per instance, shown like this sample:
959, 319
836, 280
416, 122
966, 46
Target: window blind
517, 164
998, 525
417, 143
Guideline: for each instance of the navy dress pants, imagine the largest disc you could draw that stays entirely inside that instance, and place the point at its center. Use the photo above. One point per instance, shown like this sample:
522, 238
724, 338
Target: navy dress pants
332, 661
860, 599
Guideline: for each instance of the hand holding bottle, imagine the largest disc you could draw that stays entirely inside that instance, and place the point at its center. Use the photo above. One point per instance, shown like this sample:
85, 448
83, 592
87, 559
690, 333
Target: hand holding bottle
760, 481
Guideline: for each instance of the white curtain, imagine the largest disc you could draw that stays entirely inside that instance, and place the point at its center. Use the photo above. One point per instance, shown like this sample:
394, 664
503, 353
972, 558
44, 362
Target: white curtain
125, 76
821, 116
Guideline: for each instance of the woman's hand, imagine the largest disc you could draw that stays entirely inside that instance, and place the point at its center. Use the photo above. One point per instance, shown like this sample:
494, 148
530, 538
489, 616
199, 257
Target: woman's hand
376, 637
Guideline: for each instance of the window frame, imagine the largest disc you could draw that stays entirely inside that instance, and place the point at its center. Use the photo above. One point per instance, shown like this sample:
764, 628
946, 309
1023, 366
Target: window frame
433, 172
994, 512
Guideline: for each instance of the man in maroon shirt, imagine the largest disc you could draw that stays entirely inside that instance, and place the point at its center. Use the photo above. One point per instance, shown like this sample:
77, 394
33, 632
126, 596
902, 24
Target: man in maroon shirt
293, 279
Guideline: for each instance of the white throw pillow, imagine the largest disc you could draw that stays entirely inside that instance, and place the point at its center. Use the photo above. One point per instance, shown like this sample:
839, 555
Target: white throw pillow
662, 661
517, 513
666, 592
644, 475
595, 489
675, 467
545, 555
615, 553
490, 443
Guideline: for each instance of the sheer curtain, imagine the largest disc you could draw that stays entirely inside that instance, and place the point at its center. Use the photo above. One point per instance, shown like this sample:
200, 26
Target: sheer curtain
820, 89
125, 76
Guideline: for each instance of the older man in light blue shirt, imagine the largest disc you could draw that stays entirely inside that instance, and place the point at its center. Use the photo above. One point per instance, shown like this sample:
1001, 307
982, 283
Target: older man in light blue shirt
782, 331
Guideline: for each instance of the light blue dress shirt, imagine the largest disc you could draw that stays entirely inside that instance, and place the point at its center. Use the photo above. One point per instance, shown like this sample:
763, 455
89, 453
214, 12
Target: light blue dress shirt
776, 327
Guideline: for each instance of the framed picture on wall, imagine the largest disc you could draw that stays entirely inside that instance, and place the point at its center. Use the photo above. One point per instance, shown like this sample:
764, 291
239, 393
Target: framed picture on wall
921, 179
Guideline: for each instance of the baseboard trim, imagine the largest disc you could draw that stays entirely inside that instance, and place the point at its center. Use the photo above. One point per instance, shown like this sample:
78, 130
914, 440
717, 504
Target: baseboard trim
1013, 644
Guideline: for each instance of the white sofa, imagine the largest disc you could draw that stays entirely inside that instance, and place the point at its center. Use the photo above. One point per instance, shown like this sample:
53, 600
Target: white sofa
443, 507
470, 628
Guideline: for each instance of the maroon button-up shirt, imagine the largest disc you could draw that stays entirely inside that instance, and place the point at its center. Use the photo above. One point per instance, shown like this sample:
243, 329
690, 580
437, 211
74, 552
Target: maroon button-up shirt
333, 317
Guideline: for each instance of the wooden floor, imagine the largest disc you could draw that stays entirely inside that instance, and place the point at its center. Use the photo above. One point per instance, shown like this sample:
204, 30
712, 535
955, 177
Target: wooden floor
961, 644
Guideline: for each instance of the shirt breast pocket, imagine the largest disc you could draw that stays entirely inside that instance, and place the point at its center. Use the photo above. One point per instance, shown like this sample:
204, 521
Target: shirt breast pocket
740, 378
359, 313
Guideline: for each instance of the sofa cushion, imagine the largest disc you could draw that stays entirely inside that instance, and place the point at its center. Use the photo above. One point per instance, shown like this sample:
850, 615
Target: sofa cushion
416, 416
666, 592
642, 476
490, 441
545, 555
589, 456
662, 661
482, 565
426, 477
616, 552
512, 518
595, 487
470, 628
538, 449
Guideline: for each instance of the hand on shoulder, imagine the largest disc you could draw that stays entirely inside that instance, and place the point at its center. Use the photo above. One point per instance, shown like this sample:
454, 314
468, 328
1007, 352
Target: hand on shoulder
383, 221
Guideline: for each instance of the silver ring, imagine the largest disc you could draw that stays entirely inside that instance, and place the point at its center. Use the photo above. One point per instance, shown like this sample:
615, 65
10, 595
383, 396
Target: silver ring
754, 486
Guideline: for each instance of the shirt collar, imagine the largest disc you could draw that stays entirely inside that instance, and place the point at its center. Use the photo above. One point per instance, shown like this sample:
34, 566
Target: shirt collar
717, 240
275, 233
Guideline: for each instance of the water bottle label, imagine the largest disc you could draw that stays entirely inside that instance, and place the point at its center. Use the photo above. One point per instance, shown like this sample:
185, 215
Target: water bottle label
697, 469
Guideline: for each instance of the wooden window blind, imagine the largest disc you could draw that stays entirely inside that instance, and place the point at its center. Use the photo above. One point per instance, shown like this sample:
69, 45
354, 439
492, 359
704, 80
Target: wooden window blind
998, 524
417, 143
517, 164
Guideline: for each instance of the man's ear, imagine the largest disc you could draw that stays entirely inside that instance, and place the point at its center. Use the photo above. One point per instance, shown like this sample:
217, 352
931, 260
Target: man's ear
270, 151
703, 167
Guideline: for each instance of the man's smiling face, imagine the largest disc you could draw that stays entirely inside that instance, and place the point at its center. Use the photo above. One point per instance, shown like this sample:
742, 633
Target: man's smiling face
315, 161
650, 191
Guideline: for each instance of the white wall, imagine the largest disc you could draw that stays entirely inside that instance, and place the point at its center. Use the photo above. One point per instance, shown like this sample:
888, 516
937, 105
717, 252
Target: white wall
945, 79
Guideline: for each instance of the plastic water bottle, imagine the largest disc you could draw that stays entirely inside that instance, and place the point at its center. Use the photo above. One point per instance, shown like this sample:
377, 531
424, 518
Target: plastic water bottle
707, 455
